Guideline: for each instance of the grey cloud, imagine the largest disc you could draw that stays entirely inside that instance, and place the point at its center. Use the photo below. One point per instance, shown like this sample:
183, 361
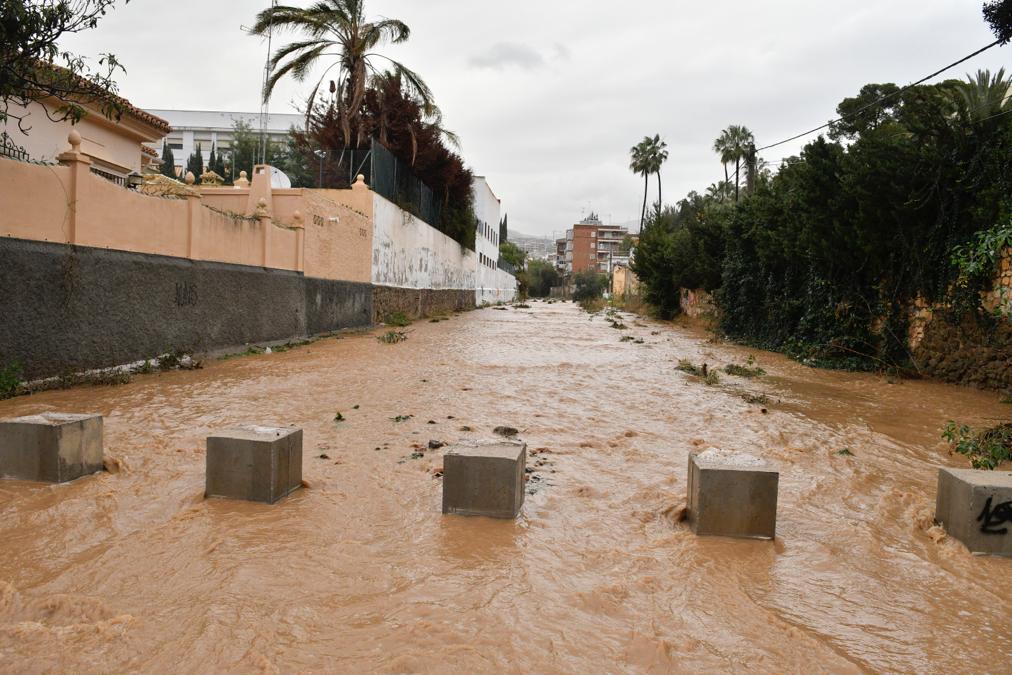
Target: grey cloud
505, 54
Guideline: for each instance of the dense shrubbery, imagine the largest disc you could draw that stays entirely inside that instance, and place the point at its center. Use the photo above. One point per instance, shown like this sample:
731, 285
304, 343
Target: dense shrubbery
589, 285
539, 278
824, 259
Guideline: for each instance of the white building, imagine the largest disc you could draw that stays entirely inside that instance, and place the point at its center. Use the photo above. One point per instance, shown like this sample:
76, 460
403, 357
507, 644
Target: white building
213, 127
492, 284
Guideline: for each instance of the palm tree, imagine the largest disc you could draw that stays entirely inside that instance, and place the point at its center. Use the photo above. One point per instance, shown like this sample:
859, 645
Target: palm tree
722, 146
985, 95
337, 29
733, 146
640, 165
648, 156
657, 154
720, 192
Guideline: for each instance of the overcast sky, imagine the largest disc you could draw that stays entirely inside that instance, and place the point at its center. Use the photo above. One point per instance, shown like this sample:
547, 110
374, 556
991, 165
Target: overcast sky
549, 96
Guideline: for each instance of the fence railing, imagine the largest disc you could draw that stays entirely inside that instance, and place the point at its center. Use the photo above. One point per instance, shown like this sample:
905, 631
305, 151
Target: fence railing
8, 148
507, 267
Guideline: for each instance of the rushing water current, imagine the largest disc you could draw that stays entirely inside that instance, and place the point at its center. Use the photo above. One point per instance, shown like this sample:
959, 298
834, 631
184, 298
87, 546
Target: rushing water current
133, 570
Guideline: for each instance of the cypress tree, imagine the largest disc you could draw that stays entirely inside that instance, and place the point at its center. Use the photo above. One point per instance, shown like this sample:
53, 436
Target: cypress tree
195, 163
504, 229
168, 167
212, 159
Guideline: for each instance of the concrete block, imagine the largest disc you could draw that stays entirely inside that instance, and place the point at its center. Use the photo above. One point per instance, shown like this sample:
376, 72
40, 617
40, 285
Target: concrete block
51, 447
255, 463
732, 494
975, 507
484, 479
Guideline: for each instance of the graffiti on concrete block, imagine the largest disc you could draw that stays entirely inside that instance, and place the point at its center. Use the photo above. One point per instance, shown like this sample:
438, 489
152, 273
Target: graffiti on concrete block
186, 294
991, 518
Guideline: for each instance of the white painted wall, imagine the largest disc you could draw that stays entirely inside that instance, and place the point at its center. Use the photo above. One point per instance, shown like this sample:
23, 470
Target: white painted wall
502, 288
492, 285
409, 253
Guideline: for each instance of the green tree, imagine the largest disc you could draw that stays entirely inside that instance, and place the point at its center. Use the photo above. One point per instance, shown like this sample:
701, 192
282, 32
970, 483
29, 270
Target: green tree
504, 228
589, 285
195, 163
212, 158
539, 278
998, 14
168, 167
734, 145
512, 254
34, 68
639, 164
984, 96
339, 30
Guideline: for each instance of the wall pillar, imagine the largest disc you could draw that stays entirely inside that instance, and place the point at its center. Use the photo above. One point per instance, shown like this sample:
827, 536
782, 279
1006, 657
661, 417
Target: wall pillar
80, 166
265, 224
193, 214
300, 242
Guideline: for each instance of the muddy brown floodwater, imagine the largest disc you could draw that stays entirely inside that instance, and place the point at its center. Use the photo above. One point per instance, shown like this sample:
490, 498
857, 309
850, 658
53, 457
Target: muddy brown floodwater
132, 570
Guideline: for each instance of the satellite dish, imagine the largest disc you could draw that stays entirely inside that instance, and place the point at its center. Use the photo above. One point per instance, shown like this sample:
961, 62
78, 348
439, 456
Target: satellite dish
279, 179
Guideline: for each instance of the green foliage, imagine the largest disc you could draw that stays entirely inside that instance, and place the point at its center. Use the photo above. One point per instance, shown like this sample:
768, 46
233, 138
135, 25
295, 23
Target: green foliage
998, 14
681, 247
393, 337
646, 158
512, 254
10, 379
34, 68
825, 259
539, 278
195, 163
709, 377
977, 260
986, 449
749, 370
589, 286
735, 144
168, 167
399, 319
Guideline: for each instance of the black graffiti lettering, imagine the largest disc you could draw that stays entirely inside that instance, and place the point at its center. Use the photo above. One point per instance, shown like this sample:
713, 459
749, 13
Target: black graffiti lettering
186, 294
990, 518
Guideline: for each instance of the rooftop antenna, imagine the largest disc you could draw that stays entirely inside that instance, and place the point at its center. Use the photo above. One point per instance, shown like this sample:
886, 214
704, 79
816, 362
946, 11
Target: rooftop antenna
265, 99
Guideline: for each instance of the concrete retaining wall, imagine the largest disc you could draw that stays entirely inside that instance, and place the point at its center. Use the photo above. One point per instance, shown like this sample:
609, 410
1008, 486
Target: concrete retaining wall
409, 253
417, 303
69, 308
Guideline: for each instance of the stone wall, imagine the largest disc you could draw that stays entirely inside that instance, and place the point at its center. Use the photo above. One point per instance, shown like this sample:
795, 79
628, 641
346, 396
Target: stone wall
417, 303
67, 308
696, 303
967, 352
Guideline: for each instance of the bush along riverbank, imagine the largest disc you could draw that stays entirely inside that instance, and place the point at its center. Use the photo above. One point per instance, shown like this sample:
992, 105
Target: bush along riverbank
883, 246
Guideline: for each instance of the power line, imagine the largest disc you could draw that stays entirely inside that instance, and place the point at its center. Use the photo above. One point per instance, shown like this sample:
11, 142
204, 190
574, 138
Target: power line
884, 98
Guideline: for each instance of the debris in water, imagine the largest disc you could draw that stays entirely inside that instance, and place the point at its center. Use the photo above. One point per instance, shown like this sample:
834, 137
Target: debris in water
339, 417
508, 432
393, 337
401, 418
436, 445
324, 456
845, 453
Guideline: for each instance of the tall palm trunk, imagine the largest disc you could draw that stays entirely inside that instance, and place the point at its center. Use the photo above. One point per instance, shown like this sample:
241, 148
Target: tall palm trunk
660, 202
643, 214
737, 176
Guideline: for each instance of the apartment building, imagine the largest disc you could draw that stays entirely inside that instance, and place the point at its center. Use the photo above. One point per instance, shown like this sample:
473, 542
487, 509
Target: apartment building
592, 245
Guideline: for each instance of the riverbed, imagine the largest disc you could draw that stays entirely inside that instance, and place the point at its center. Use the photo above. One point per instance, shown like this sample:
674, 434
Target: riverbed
133, 570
